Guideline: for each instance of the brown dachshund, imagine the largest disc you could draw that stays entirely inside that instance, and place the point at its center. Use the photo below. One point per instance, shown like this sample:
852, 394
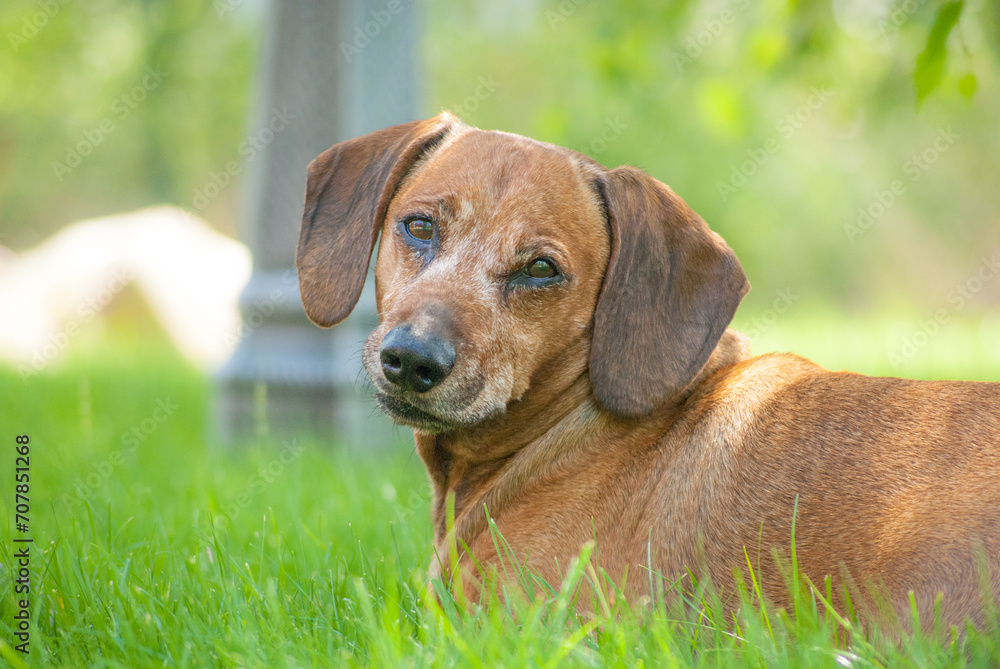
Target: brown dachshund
556, 334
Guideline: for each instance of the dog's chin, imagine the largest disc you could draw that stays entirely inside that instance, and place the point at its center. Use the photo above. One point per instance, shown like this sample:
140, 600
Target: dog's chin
404, 413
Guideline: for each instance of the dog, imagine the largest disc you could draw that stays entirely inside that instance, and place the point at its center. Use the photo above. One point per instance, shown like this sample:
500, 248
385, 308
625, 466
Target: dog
556, 334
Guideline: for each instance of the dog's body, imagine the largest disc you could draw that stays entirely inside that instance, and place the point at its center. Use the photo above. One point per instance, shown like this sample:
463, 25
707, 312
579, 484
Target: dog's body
556, 334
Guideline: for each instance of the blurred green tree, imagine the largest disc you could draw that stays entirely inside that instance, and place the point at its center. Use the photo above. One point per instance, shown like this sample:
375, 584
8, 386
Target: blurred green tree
111, 105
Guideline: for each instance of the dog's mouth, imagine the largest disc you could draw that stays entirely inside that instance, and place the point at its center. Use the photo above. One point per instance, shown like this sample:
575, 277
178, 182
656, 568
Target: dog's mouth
405, 413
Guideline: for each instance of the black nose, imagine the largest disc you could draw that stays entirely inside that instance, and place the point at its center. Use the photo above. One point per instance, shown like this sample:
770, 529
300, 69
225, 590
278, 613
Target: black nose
416, 362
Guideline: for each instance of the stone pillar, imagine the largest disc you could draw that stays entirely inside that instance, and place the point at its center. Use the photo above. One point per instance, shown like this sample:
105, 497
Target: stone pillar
330, 70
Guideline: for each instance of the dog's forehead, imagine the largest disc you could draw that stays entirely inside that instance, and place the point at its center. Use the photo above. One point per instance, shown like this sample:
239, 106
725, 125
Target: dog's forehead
498, 171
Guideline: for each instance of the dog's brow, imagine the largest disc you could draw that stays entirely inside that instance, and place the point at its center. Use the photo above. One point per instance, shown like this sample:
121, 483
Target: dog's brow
542, 246
439, 205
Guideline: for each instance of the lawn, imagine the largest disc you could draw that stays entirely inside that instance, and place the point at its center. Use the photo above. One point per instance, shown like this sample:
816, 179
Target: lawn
154, 546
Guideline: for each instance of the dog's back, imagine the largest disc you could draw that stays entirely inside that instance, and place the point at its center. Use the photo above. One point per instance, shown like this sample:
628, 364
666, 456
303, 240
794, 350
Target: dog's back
893, 483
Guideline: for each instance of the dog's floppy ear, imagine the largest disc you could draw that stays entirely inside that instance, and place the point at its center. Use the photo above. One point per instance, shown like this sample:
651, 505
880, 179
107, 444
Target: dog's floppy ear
348, 192
671, 288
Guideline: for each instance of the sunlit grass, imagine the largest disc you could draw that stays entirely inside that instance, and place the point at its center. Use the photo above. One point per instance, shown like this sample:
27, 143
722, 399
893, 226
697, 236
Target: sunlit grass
155, 547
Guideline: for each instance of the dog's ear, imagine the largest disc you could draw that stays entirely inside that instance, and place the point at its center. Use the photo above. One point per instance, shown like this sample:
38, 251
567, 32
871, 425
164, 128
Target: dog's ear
349, 188
671, 288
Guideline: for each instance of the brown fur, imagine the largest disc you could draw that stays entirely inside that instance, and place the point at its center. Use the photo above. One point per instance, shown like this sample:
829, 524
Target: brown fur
616, 405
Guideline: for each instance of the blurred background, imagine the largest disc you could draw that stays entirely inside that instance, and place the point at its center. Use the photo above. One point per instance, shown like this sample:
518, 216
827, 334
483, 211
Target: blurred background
848, 150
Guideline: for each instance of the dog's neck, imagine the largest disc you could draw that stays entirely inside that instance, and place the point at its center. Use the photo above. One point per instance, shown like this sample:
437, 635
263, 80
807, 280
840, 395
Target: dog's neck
553, 425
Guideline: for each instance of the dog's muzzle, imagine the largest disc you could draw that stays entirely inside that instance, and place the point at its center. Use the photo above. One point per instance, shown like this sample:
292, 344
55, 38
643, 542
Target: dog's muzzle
413, 361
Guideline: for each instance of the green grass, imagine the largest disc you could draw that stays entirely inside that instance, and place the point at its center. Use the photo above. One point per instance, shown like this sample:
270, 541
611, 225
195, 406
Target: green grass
172, 551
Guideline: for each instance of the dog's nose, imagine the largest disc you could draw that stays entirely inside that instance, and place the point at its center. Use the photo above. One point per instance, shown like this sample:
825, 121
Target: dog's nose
415, 362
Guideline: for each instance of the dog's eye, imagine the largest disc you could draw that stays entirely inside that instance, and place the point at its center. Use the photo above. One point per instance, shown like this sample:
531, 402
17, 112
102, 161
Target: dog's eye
539, 273
420, 229
541, 268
